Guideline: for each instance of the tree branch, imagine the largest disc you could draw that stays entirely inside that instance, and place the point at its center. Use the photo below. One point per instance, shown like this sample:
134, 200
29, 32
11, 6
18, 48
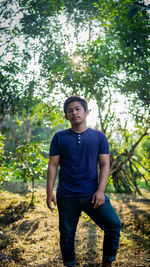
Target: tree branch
136, 144
142, 175
141, 165
128, 154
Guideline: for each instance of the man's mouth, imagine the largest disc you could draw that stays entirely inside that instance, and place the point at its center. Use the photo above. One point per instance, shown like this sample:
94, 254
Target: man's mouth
75, 118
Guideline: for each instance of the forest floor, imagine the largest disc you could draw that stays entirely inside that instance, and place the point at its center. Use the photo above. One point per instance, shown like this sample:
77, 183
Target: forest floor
29, 236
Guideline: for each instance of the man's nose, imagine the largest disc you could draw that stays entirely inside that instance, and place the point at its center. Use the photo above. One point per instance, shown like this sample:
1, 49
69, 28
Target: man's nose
74, 111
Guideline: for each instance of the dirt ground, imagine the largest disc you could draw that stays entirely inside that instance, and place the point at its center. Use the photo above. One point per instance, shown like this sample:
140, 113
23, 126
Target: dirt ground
30, 237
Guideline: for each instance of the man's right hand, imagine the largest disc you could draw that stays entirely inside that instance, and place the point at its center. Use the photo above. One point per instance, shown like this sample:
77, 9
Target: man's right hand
50, 198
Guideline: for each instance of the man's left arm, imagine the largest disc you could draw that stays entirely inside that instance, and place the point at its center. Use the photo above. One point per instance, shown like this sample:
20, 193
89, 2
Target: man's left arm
98, 197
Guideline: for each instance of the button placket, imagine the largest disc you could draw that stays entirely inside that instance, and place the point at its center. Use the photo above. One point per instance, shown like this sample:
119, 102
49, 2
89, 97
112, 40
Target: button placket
79, 141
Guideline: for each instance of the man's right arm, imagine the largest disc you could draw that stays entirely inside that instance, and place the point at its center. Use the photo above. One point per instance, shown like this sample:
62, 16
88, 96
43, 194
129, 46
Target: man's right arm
51, 176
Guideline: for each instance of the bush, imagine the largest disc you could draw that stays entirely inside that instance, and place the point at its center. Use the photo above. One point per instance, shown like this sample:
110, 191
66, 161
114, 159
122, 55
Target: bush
29, 164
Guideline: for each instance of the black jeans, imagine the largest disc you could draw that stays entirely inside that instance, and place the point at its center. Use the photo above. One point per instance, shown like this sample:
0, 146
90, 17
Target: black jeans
105, 217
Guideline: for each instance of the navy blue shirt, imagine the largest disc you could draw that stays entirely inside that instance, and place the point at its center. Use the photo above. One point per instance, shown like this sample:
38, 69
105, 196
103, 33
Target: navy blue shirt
78, 174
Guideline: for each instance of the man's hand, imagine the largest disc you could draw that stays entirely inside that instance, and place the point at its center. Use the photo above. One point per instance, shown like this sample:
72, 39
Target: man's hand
98, 199
50, 198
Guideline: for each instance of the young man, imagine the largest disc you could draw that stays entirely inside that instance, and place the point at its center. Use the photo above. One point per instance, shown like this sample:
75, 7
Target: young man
78, 151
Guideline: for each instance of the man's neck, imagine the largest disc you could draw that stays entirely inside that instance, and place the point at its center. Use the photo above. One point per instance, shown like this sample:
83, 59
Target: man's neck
79, 128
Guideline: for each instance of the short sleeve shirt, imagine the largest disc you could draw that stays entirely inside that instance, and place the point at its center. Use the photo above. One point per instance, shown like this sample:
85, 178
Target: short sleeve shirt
78, 173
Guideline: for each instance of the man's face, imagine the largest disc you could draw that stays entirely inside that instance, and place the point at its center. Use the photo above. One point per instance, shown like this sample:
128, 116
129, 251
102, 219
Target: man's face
75, 113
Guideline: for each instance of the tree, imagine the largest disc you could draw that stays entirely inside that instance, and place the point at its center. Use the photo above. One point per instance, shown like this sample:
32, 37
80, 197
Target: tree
9, 93
113, 58
5, 172
101, 62
140, 159
29, 164
124, 173
22, 22
117, 50
127, 24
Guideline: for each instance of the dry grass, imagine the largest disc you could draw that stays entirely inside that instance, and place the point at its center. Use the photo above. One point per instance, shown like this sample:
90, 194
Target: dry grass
30, 236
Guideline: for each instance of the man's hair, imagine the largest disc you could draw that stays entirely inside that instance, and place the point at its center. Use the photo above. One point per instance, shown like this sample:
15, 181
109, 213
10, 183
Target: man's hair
75, 98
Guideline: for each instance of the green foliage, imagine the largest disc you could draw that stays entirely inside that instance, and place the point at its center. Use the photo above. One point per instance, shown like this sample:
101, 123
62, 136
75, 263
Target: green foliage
5, 171
2, 159
36, 122
142, 157
9, 93
2, 139
129, 29
28, 162
36, 15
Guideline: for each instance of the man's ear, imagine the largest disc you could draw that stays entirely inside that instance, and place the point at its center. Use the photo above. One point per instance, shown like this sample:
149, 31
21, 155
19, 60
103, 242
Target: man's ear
87, 112
66, 117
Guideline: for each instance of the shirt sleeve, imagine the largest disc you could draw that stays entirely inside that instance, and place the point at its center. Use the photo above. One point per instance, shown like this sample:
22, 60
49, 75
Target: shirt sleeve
54, 146
103, 144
